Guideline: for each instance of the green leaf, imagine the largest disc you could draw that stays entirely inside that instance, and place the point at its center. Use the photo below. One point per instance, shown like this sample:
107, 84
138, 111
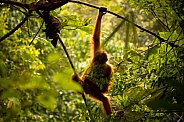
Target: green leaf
86, 29
53, 57
6, 82
10, 93
48, 99
114, 31
132, 115
154, 95
151, 51
168, 35
2, 68
13, 101
36, 82
63, 79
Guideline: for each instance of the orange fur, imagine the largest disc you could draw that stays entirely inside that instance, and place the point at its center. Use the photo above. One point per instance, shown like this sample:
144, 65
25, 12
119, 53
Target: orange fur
96, 80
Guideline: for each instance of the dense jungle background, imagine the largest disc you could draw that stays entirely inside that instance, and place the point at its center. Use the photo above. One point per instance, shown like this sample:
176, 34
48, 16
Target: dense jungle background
148, 82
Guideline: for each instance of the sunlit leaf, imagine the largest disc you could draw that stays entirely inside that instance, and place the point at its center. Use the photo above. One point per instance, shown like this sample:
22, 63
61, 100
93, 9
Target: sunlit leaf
168, 35
86, 29
151, 51
53, 57
10, 104
13, 101
63, 79
36, 82
10, 93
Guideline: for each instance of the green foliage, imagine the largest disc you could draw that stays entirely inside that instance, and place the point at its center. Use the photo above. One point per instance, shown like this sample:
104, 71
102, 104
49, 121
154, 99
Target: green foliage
63, 80
35, 80
48, 99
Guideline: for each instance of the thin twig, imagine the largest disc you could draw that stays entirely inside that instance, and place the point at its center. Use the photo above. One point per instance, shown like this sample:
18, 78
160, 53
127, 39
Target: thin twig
68, 56
14, 29
86, 4
36, 33
93, 6
161, 39
85, 101
158, 20
167, 25
75, 72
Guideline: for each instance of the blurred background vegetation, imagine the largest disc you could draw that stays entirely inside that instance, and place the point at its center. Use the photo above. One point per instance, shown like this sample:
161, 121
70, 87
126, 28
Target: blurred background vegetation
149, 74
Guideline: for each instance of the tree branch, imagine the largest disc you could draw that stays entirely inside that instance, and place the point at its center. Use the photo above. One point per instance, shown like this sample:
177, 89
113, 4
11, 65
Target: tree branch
86, 4
68, 56
74, 70
110, 12
14, 29
53, 5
